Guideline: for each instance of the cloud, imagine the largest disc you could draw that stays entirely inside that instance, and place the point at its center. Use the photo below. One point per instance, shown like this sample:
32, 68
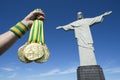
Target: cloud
12, 75
7, 69
1, 75
29, 69
113, 70
58, 72
68, 71
52, 72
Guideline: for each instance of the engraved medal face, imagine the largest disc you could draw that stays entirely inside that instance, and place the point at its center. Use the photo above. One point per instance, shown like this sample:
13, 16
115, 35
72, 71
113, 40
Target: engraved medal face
45, 57
21, 54
33, 51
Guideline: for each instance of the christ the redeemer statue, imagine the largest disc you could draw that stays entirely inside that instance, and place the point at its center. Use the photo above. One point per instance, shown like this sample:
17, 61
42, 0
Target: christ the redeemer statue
83, 35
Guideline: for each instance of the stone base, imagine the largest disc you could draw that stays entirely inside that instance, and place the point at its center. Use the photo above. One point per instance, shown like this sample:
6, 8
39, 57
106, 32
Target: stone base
93, 72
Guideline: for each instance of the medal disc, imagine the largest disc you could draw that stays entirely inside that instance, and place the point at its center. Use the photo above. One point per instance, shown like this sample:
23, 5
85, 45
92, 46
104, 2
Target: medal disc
21, 54
45, 57
33, 51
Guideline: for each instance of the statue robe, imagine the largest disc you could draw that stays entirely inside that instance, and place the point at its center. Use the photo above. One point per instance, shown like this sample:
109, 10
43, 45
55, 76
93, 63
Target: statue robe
84, 38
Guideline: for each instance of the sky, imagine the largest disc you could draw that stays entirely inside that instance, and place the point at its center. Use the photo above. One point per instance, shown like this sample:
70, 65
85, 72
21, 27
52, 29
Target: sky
64, 58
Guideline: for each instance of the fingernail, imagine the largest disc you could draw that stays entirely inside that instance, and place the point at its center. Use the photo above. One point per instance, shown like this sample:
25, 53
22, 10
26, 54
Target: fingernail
38, 9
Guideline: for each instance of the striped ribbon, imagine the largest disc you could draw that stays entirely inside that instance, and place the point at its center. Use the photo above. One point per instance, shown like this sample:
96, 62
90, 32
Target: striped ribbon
37, 32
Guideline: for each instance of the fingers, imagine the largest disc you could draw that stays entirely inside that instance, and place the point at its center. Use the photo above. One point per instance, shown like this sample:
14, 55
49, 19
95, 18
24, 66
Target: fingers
110, 12
58, 27
38, 14
41, 18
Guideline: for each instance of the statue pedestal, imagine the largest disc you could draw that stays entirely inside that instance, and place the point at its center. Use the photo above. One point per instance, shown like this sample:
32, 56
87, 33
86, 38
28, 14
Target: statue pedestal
92, 72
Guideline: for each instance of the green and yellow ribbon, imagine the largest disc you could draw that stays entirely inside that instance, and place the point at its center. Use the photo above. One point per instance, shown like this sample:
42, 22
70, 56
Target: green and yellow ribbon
37, 32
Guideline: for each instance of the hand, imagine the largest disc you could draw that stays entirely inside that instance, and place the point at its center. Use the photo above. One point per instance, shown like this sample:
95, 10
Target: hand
59, 27
107, 13
36, 14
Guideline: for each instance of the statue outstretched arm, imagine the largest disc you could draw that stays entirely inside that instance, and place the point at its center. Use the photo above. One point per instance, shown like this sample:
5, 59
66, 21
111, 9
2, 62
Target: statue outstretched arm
106, 13
66, 27
98, 19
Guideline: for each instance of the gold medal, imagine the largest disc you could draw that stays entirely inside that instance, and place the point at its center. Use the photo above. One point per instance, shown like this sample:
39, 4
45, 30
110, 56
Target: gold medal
21, 54
46, 55
33, 51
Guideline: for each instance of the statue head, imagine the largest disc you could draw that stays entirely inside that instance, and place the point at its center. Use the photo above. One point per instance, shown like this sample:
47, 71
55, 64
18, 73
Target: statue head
79, 15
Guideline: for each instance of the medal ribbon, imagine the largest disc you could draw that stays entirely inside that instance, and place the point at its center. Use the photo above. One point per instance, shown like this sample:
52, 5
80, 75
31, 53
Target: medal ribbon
37, 32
